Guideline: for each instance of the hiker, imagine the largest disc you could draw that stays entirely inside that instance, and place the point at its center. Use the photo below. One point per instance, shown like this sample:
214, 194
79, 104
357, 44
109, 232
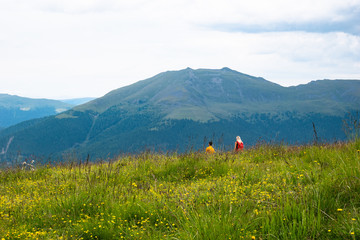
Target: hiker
210, 149
239, 145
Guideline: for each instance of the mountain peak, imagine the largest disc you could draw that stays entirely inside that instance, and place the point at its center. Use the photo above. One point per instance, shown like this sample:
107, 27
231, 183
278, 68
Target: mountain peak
201, 94
227, 69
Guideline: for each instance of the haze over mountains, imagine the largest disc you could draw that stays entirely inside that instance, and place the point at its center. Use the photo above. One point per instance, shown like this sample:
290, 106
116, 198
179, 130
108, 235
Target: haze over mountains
182, 110
77, 101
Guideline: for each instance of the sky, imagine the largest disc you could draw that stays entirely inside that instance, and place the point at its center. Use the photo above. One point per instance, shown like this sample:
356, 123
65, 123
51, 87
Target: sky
86, 48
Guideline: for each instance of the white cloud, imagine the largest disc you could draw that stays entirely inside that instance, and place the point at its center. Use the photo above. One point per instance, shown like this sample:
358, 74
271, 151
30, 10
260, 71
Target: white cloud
63, 49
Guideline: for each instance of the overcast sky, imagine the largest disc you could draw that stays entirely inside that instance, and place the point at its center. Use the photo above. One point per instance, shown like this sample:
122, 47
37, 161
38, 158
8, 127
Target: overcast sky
86, 48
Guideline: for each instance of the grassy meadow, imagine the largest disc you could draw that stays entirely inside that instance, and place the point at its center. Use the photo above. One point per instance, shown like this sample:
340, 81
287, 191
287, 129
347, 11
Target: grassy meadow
266, 192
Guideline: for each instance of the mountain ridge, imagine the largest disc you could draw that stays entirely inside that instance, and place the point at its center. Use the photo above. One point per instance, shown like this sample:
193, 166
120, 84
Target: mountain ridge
15, 109
175, 109
178, 98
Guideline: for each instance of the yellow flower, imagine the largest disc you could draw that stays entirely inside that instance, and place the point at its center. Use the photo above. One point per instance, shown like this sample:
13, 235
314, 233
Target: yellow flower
339, 209
253, 237
352, 233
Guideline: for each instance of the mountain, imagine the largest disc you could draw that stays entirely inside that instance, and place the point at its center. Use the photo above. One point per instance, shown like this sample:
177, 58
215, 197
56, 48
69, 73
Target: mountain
206, 95
15, 109
182, 110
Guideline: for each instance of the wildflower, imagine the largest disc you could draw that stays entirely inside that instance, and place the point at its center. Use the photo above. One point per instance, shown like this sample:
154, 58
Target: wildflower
339, 210
253, 237
352, 233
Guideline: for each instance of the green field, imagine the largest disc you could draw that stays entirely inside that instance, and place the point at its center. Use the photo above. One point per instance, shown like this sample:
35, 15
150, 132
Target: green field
266, 192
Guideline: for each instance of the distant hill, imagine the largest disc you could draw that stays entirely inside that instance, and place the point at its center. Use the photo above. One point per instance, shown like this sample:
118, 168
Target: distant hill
182, 110
15, 109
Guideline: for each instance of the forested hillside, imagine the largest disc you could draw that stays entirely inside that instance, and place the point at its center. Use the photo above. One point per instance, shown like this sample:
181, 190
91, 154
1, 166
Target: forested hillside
182, 110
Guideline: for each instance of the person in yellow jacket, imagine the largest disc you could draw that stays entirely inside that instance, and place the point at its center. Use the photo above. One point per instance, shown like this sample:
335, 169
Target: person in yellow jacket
210, 149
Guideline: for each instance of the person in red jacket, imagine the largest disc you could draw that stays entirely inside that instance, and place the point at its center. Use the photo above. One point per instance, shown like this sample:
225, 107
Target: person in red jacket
239, 145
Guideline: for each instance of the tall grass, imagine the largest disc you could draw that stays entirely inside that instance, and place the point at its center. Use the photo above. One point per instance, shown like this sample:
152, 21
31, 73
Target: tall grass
268, 192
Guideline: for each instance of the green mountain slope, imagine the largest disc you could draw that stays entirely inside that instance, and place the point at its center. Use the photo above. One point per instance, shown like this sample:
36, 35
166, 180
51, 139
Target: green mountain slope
15, 109
200, 95
182, 110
